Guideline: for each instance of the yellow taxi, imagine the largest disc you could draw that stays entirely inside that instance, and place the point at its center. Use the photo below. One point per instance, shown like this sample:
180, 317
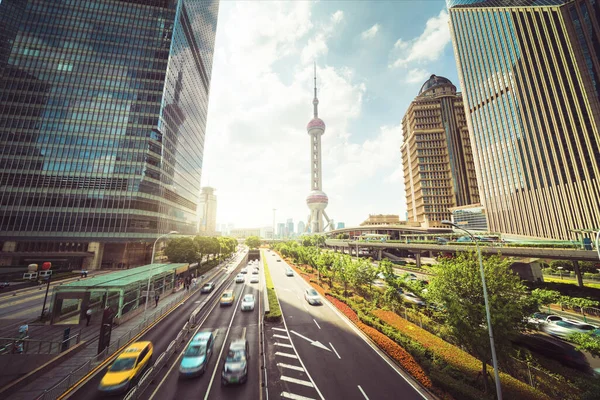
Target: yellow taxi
126, 368
227, 298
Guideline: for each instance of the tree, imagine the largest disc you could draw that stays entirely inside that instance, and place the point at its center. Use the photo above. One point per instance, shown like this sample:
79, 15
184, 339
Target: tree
253, 242
457, 286
182, 250
543, 297
203, 246
587, 342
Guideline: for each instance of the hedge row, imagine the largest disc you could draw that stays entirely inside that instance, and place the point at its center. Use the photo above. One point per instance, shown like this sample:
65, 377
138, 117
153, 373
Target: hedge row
455, 357
274, 314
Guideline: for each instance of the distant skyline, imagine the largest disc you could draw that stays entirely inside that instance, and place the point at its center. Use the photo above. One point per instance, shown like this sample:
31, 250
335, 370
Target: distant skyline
372, 58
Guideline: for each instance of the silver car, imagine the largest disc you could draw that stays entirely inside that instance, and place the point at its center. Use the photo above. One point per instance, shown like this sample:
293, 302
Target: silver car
412, 298
235, 369
312, 297
565, 327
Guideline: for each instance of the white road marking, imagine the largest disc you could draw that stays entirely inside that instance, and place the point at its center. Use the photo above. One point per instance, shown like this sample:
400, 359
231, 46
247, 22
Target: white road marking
289, 346
286, 355
294, 367
298, 381
335, 351
295, 396
279, 329
281, 336
313, 342
316, 323
363, 392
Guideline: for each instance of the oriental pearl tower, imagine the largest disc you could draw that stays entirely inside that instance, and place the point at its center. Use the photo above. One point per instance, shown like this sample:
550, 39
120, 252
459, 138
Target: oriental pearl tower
317, 199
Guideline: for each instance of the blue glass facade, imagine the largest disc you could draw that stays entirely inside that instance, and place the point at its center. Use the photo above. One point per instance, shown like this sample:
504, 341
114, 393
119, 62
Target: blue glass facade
529, 71
103, 107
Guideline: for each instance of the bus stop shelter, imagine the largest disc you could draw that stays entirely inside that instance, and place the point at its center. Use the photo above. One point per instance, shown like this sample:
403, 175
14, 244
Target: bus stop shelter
124, 291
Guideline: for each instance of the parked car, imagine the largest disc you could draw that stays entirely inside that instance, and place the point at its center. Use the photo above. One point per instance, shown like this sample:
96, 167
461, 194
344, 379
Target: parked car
539, 318
565, 327
126, 368
412, 298
248, 302
227, 298
558, 350
312, 297
197, 355
289, 272
235, 369
207, 287
240, 278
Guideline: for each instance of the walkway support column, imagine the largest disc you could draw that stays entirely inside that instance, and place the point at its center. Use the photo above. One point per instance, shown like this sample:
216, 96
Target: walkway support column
418, 259
577, 273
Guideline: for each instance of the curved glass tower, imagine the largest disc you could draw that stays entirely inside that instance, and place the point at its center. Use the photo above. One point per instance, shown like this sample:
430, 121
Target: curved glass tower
103, 107
530, 71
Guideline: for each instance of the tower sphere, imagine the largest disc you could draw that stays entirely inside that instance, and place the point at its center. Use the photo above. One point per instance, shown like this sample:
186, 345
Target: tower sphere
317, 200
315, 123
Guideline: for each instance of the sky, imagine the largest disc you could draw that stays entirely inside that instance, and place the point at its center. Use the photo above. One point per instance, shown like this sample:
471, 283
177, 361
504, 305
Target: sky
372, 58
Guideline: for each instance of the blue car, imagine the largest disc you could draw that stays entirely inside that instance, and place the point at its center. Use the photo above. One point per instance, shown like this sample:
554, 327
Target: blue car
197, 355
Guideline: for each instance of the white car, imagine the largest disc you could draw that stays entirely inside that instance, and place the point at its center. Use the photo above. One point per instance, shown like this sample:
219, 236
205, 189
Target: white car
566, 327
312, 297
289, 272
244, 271
248, 302
240, 278
412, 298
254, 279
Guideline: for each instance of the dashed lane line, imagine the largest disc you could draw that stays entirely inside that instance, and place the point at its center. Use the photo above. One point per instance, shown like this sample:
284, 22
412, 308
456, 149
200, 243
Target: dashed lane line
294, 367
297, 381
335, 351
289, 346
363, 392
316, 323
279, 329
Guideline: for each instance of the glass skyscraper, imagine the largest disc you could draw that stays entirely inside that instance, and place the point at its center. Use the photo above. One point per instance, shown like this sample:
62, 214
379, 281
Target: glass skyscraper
530, 71
103, 107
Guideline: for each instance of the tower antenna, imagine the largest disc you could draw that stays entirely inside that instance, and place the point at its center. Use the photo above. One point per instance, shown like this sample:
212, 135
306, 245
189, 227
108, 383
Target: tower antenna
316, 101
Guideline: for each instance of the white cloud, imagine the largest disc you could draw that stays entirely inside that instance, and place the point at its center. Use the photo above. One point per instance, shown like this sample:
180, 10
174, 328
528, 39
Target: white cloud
371, 32
427, 47
257, 148
416, 75
317, 45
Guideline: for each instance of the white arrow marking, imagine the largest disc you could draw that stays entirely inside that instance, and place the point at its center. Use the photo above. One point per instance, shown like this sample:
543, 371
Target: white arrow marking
313, 342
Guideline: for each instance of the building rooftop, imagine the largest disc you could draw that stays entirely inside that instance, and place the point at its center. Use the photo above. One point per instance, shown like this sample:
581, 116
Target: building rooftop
121, 278
434, 81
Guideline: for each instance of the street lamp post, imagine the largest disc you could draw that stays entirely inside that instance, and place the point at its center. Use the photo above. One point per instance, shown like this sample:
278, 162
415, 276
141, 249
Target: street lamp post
487, 308
152, 262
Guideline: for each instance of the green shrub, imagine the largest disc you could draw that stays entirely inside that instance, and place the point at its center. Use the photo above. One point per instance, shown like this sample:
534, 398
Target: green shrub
274, 314
455, 387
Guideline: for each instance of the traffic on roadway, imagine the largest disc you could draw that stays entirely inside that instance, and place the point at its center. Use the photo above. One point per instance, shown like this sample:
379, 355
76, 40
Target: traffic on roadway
200, 369
317, 353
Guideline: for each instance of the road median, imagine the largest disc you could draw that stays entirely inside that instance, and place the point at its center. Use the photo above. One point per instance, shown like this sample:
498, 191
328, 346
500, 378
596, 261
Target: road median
274, 313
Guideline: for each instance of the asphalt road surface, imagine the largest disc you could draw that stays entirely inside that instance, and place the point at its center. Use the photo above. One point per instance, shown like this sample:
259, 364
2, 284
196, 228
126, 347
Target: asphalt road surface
229, 322
318, 354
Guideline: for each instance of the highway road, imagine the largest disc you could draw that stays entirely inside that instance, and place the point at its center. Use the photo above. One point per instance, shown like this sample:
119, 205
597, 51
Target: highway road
316, 353
229, 323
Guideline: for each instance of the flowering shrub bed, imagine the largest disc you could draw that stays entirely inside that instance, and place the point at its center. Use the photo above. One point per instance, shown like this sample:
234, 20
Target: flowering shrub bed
392, 348
456, 357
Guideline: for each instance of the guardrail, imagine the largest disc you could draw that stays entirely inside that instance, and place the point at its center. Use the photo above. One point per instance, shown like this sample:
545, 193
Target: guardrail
35, 346
80, 372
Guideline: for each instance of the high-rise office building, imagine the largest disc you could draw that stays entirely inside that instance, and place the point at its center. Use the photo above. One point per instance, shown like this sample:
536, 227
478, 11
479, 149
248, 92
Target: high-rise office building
530, 71
341, 225
207, 210
301, 228
290, 227
436, 154
103, 108
281, 230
